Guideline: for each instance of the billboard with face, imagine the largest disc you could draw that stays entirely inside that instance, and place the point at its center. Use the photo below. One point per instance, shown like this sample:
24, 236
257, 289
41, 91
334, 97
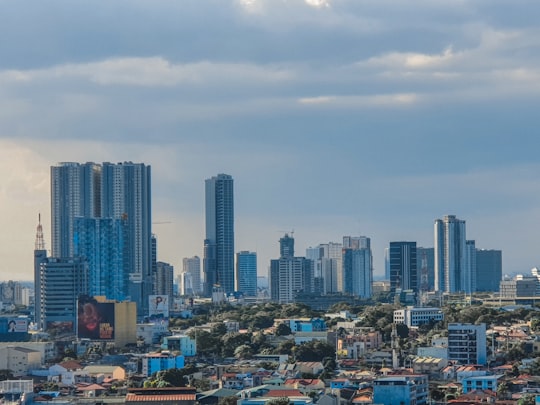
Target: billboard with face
95, 320
158, 305
14, 325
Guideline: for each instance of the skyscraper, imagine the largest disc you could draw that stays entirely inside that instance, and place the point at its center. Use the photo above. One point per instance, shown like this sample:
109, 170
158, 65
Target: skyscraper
357, 266
488, 269
191, 268
290, 275
75, 192
403, 266
246, 273
114, 192
450, 254
425, 264
218, 262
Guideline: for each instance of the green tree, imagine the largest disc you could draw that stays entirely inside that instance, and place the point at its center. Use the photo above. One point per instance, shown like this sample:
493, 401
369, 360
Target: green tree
283, 329
314, 350
243, 352
527, 399
232, 400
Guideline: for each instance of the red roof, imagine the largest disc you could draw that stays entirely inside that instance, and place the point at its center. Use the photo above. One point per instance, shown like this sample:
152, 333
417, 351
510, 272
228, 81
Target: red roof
284, 393
160, 398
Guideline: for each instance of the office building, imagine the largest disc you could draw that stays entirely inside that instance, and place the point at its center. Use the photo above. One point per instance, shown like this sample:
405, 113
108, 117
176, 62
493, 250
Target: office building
416, 316
114, 192
403, 266
218, 262
290, 275
488, 269
450, 254
327, 267
191, 270
425, 263
468, 277
62, 281
401, 389
246, 273
467, 343
357, 265
519, 287
164, 280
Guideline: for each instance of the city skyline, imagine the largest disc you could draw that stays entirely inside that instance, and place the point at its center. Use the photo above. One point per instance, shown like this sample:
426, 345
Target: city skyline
333, 117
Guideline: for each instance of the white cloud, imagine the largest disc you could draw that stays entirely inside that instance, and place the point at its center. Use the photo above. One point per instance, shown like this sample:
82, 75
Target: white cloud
151, 72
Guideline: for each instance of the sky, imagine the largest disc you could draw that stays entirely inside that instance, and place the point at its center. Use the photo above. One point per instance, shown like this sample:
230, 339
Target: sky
334, 117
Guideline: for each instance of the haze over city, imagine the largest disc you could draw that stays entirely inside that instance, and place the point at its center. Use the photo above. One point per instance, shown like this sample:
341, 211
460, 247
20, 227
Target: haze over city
333, 117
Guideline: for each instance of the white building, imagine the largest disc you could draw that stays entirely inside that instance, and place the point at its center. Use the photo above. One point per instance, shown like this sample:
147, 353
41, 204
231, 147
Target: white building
450, 253
467, 343
191, 276
413, 316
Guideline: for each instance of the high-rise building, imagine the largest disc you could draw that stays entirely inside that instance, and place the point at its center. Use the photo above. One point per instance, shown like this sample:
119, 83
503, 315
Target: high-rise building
101, 242
327, 267
108, 191
218, 263
286, 246
62, 281
488, 269
191, 268
425, 264
450, 254
40, 256
246, 273
75, 192
468, 277
290, 275
403, 266
357, 266
126, 194
164, 280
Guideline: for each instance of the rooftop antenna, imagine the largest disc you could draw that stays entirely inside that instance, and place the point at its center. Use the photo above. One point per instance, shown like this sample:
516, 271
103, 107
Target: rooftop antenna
40, 241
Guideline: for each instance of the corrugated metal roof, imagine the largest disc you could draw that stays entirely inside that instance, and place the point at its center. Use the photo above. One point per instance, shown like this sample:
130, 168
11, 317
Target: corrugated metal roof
160, 398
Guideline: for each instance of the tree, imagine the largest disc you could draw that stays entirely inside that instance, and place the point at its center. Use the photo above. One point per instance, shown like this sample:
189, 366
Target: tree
314, 350
243, 352
527, 399
283, 329
232, 400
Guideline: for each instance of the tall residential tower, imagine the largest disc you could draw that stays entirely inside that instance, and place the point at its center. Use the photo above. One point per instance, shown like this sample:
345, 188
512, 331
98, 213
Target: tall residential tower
91, 203
218, 262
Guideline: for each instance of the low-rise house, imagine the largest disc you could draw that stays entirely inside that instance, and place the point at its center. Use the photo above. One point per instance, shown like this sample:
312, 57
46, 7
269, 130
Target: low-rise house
428, 365
154, 362
162, 396
295, 397
487, 382
305, 386
182, 343
97, 374
310, 367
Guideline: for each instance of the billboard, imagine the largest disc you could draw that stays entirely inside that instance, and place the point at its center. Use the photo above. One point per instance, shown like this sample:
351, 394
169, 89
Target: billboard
95, 320
158, 305
14, 325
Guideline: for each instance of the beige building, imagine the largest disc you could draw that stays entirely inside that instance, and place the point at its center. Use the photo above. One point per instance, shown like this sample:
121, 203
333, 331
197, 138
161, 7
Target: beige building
46, 349
125, 322
19, 360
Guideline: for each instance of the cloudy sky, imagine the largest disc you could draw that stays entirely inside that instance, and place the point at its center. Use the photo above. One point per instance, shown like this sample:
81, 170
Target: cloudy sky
335, 117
